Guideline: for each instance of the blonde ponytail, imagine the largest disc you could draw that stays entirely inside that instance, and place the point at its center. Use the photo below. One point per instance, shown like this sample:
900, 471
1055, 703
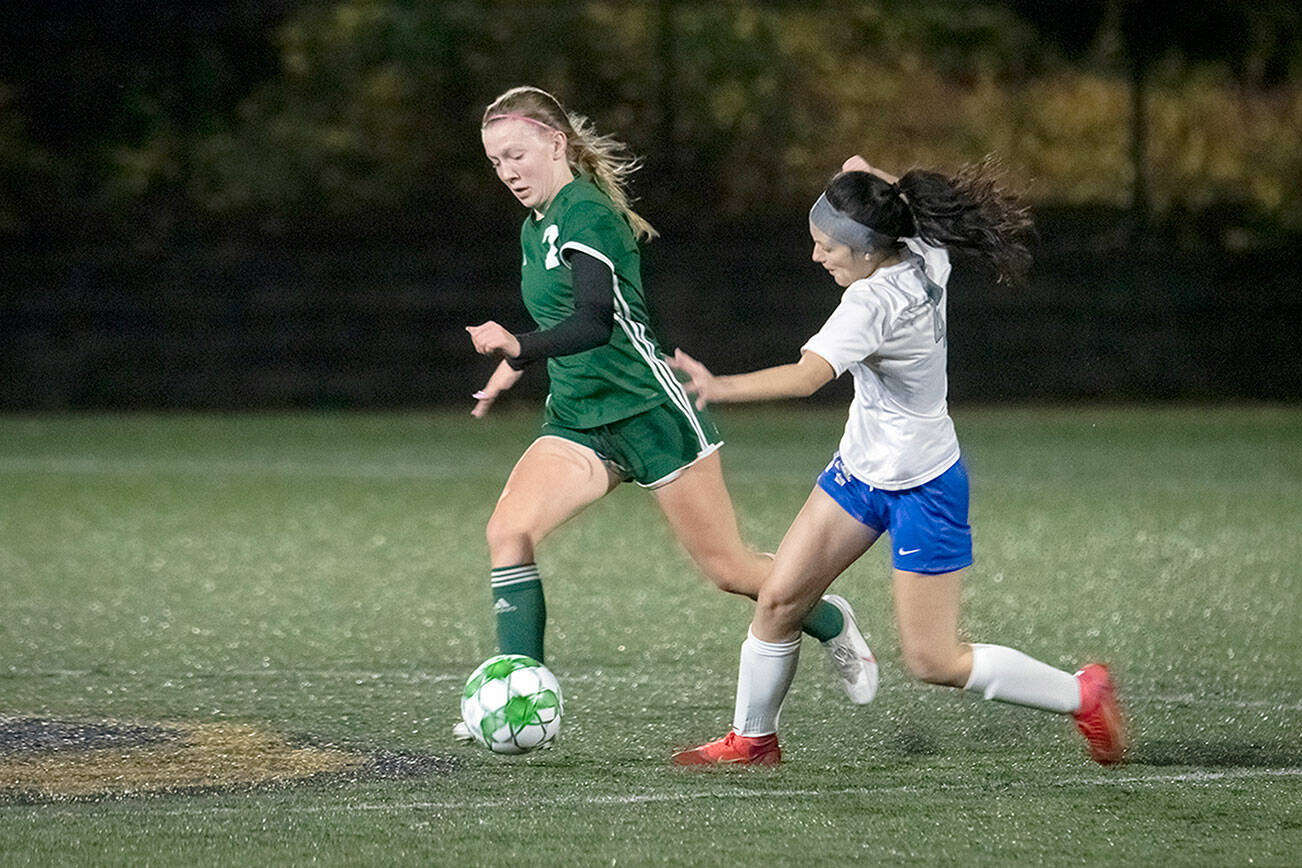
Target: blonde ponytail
604, 159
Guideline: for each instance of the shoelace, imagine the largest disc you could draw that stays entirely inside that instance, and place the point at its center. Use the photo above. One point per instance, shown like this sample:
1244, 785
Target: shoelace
730, 743
847, 662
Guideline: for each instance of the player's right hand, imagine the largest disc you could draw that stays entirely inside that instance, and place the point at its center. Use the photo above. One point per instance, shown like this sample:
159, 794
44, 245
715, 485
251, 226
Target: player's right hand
503, 378
699, 382
483, 401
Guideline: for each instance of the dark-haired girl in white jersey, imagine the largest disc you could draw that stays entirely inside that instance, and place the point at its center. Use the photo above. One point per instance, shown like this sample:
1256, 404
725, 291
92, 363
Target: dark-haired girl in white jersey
897, 469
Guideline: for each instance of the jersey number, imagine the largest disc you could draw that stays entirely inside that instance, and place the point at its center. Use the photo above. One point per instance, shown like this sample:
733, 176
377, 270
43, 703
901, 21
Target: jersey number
550, 234
935, 293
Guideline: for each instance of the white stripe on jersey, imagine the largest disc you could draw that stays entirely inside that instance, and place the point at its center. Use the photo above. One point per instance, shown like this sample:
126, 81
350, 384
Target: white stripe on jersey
637, 336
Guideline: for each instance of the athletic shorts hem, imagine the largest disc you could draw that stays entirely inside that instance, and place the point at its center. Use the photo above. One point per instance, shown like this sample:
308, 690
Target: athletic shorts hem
933, 570
672, 475
614, 469
927, 524
651, 448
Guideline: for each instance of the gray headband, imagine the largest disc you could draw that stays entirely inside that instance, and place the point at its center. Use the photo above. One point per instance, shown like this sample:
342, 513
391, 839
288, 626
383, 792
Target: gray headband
840, 227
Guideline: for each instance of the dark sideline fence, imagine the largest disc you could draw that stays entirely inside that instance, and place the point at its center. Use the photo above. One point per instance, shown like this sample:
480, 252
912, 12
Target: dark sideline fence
339, 326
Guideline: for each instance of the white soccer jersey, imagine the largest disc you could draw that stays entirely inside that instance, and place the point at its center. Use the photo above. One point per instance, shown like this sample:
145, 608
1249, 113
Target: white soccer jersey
889, 333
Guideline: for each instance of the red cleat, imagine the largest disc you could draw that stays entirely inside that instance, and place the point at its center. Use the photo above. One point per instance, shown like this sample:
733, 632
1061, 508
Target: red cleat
1099, 718
733, 749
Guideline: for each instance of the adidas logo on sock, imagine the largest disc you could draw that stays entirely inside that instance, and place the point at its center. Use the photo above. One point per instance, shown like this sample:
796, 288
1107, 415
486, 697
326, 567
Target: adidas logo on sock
502, 606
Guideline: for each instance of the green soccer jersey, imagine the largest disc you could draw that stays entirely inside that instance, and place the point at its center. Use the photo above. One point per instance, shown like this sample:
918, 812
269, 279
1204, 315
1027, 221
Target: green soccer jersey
618, 379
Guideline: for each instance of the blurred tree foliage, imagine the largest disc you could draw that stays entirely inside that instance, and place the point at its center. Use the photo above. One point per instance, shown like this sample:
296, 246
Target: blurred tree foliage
1257, 43
151, 119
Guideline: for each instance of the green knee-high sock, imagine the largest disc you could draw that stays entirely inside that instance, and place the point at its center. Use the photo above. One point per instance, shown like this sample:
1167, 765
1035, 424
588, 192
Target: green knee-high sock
520, 610
824, 621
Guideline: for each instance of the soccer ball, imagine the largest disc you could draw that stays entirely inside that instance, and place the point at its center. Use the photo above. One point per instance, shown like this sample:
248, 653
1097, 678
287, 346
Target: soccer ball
512, 704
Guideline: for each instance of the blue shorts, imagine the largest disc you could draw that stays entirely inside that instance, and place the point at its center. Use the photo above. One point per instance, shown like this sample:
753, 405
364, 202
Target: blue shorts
928, 524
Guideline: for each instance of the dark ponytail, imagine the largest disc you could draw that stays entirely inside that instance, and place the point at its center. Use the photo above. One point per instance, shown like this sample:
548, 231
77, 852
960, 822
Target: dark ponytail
970, 210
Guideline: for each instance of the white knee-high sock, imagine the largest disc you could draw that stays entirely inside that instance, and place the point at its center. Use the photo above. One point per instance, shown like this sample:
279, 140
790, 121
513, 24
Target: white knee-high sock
763, 679
1008, 675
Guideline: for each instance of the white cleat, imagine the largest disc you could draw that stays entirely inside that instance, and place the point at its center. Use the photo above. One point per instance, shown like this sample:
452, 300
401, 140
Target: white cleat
852, 660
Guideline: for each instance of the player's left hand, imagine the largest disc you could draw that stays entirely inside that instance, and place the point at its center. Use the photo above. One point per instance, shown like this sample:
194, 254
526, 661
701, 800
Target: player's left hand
700, 382
493, 340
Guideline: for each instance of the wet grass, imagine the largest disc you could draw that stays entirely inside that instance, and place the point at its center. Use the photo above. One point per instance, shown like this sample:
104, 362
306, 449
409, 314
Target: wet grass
323, 577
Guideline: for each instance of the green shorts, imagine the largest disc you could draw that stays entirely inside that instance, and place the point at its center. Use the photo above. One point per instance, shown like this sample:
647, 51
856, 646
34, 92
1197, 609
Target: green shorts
651, 448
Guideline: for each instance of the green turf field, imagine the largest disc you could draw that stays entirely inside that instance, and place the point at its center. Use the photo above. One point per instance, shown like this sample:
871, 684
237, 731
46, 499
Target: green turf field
276, 612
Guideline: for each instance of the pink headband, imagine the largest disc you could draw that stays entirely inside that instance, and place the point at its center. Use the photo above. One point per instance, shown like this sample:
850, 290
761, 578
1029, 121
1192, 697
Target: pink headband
511, 116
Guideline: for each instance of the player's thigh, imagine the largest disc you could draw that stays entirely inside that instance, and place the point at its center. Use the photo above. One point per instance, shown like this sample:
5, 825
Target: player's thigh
927, 611
700, 513
821, 543
554, 479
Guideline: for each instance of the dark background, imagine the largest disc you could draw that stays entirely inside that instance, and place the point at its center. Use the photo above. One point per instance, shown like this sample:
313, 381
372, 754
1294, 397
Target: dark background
274, 204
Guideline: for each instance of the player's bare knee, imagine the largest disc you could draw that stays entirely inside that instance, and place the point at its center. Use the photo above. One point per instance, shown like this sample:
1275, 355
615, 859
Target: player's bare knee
780, 609
508, 539
934, 666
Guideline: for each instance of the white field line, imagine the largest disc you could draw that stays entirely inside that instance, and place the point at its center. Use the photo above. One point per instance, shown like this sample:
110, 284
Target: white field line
1200, 778
359, 676
1191, 699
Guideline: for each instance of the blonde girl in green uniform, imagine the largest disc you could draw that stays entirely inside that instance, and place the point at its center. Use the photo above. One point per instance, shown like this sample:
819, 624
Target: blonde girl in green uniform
615, 412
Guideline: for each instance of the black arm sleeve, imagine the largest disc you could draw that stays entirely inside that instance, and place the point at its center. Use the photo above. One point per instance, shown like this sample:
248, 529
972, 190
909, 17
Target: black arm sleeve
589, 326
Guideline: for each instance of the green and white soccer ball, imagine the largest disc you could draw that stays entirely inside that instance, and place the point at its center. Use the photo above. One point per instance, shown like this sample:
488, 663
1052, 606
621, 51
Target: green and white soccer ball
512, 704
